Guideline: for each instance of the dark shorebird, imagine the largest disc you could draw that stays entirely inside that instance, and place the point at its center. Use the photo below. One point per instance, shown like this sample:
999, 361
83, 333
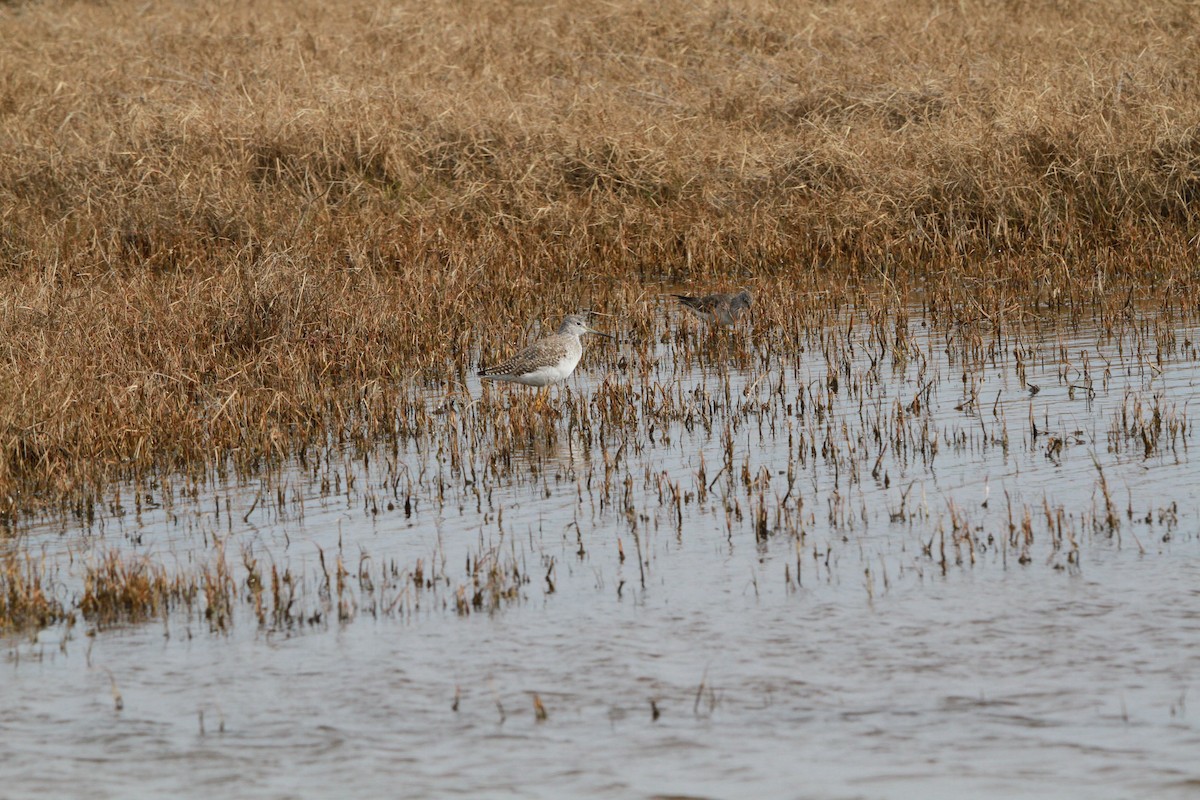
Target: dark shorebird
723, 309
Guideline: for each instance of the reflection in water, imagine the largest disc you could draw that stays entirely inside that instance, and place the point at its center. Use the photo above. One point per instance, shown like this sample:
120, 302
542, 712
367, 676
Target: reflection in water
942, 564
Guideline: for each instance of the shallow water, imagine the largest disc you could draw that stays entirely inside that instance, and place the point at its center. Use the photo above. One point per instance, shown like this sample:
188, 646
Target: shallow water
942, 603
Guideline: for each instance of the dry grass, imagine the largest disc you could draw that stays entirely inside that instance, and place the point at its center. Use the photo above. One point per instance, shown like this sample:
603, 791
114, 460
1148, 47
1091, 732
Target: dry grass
25, 599
230, 232
130, 589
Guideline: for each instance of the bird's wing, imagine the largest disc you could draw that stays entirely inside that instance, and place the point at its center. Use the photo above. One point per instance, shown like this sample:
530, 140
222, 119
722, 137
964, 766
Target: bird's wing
542, 353
707, 304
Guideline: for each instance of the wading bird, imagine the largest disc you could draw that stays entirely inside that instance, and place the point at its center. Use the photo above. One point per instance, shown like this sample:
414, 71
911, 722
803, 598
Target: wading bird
723, 309
548, 360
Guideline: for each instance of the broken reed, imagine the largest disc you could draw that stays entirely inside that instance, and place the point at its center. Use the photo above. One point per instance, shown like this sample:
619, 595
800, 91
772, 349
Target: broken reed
227, 234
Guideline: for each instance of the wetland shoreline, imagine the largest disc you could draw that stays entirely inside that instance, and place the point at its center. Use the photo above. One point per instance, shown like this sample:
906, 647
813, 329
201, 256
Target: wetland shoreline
921, 522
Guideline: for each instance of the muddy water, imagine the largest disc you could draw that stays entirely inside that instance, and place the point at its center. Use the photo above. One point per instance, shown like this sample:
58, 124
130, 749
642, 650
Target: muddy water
744, 581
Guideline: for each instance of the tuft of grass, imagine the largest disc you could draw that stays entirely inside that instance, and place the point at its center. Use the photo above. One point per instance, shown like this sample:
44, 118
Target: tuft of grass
129, 589
25, 601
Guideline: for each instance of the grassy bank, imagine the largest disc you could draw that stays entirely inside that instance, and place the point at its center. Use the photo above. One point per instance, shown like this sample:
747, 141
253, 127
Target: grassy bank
227, 230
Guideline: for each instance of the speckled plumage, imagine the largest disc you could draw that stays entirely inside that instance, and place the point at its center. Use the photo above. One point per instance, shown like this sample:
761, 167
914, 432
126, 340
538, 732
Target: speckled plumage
723, 309
546, 361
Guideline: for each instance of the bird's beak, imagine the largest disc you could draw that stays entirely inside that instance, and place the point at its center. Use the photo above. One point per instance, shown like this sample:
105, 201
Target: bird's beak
600, 333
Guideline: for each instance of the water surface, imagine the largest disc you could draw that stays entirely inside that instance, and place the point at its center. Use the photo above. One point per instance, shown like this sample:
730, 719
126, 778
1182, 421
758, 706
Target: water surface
866, 570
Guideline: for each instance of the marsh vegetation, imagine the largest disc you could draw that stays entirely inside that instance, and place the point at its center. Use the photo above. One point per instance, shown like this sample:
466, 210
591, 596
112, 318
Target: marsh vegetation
253, 256
232, 233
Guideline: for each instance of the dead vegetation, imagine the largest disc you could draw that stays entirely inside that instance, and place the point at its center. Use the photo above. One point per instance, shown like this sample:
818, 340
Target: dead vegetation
26, 598
228, 234
131, 589
925, 448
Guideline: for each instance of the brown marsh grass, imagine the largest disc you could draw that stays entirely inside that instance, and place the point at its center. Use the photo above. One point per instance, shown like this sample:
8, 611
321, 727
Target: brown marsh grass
130, 589
231, 232
26, 595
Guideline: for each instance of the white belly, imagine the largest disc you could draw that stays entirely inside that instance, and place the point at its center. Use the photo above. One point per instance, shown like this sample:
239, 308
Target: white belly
542, 364
541, 377
544, 376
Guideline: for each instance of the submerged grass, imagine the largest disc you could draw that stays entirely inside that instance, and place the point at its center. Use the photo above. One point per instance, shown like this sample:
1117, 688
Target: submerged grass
872, 432
121, 588
26, 601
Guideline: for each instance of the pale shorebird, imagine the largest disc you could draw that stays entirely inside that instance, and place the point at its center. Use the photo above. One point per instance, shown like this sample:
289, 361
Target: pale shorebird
548, 360
723, 309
